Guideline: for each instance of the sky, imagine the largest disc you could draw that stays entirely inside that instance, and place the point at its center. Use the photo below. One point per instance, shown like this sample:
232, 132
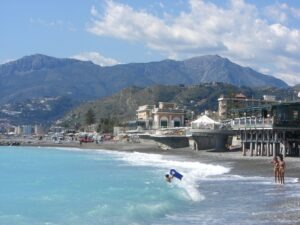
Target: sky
261, 34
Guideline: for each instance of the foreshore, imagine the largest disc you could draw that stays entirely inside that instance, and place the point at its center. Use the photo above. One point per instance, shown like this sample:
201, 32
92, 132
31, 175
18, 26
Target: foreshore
239, 164
246, 166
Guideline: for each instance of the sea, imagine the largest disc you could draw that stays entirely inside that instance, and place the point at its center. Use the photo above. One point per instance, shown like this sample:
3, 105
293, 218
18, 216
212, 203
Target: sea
64, 186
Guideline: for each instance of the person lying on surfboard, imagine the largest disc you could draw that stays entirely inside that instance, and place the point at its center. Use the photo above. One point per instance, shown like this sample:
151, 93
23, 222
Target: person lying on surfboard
173, 173
169, 178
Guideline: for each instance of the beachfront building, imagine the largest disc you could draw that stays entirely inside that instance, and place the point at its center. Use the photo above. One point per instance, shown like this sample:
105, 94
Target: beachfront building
26, 130
38, 130
144, 116
269, 130
165, 115
168, 115
239, 101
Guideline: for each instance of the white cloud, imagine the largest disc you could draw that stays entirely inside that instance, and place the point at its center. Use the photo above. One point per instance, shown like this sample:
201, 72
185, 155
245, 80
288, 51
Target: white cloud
53, 24
96, 58
277, 12
238, 31
94, 11
295, 12
282, 12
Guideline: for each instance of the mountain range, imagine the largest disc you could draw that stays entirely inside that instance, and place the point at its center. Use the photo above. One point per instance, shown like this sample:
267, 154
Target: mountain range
41, 89
39, 76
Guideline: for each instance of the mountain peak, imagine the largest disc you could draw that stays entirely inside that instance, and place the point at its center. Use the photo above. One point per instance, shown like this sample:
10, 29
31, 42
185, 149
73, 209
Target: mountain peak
35, 62
30, 58
38, 55
206, 58
40, 58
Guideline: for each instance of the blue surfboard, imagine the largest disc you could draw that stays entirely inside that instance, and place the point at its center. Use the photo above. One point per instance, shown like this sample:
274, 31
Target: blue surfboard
174, 173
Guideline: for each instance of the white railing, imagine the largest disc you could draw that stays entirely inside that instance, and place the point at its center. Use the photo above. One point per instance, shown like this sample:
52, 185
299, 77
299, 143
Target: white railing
252, 122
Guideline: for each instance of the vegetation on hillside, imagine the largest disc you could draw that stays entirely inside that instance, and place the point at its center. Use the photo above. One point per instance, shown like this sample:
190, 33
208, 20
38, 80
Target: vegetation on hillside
122, 106
37, 110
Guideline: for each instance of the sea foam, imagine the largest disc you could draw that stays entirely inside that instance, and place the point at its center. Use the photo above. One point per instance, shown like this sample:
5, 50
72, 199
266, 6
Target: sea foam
192, 172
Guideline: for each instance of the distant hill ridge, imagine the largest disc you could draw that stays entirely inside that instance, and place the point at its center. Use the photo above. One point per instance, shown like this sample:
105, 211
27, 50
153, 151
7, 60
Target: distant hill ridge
39, 75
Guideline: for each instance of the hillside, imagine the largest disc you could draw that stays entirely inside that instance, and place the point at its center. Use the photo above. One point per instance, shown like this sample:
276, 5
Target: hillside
39, 76
36, 110
123, 105
297, 87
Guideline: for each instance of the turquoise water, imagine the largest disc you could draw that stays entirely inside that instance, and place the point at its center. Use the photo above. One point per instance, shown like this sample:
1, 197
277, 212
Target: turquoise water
72, 187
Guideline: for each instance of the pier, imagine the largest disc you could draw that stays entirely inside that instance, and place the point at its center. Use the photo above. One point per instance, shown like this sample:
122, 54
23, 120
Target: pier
211, 139
168, 141
210, 134
269, 130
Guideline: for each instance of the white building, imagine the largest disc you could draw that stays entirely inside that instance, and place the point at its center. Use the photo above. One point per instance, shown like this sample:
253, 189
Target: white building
38, 130
166, 115
27, 130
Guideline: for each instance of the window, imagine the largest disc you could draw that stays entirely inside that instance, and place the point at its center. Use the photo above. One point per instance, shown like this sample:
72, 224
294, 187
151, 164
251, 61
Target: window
164, 123
295, 115
176, 123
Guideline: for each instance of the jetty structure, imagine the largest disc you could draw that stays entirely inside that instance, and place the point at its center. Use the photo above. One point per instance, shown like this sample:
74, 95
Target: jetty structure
219, 134
262, 127
208, 133
268, 130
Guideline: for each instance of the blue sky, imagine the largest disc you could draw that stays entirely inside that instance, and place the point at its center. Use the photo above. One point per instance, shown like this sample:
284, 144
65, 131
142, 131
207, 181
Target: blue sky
264, 35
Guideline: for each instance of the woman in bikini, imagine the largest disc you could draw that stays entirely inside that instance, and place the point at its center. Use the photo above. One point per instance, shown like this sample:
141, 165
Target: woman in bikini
281, 169
276, 169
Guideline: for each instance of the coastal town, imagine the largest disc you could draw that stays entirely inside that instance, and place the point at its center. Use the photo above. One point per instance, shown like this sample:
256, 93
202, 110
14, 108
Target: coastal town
255, 127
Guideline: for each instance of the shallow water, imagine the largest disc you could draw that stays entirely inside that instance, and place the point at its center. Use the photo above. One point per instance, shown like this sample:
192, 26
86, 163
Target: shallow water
55, 186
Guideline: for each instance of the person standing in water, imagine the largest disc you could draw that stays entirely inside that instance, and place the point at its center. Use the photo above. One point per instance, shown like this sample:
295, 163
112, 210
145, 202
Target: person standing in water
275, 163
281, 163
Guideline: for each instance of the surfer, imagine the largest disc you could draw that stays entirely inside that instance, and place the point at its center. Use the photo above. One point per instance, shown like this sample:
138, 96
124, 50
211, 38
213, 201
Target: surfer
173, 173
169, 178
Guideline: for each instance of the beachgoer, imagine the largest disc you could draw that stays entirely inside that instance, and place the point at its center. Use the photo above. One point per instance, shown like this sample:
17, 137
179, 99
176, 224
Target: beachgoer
169, 178
275, 163
281, 168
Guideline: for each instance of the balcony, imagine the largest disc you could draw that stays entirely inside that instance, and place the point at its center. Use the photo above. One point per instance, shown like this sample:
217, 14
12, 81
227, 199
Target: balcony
158, 110
252, 123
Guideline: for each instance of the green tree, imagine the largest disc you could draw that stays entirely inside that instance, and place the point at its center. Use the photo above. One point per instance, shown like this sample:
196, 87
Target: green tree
106, 125
90, 117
